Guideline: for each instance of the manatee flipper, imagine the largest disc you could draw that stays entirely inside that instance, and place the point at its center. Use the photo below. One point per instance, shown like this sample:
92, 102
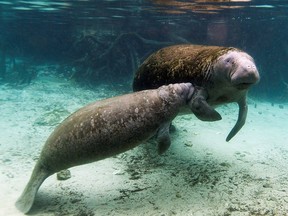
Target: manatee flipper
201, 109
243, 109
26, 200
163, 138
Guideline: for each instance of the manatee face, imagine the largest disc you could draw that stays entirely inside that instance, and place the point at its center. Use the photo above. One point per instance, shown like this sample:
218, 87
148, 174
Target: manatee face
233, 74
238, 68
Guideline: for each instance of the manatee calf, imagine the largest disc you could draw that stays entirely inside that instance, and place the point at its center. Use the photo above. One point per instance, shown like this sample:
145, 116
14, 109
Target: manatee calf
222, 75
106, 128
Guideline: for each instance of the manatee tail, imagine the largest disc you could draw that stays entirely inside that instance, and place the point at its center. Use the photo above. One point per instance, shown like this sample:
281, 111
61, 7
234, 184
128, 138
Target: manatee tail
243, 109
26, 200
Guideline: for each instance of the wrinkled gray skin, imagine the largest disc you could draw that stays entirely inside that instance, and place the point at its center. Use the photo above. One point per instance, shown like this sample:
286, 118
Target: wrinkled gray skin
106, 128
220, 81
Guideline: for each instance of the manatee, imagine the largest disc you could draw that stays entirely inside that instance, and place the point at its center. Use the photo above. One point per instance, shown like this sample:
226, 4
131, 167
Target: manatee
106, 128
221, 75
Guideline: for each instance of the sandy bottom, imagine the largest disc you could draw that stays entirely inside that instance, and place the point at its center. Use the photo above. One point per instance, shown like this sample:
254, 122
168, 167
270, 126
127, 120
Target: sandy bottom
201, 174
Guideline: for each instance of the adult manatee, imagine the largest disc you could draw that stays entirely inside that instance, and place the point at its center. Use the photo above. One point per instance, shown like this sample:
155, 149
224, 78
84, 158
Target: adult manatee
222, 75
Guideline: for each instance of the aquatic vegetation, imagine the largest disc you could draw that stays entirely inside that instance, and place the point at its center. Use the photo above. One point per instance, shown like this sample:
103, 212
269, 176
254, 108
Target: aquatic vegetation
15, 70
21, 73
121, 57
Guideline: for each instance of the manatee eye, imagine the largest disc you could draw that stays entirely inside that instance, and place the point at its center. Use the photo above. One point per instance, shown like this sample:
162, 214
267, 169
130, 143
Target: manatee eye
228, 60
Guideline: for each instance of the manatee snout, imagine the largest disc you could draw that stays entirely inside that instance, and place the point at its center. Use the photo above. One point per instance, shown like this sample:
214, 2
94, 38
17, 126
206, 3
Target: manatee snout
245, 74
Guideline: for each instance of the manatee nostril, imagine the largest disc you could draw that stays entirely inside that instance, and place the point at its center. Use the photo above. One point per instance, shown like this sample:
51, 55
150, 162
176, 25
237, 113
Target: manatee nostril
253, 67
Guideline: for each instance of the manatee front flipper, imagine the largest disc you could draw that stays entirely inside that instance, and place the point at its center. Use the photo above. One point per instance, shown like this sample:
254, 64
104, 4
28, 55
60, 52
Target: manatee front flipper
243, 109
201, 109
163, 138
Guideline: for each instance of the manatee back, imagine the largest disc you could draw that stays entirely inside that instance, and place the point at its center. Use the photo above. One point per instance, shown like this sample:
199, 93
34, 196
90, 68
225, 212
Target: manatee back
176, 64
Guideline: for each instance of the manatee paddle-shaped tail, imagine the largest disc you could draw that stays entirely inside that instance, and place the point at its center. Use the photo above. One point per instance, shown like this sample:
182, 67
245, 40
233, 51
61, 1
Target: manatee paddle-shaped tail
243, 109
25, 201
201, 109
